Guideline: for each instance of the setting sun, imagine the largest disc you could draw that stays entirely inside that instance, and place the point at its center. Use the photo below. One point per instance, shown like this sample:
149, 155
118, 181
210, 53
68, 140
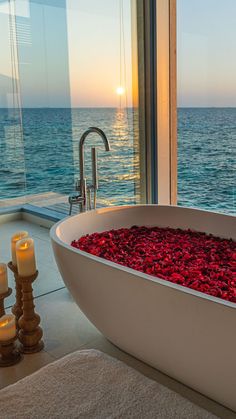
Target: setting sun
120, 90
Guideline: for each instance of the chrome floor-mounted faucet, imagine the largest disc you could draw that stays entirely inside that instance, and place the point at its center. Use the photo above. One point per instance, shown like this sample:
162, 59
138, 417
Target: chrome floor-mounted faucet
83, 193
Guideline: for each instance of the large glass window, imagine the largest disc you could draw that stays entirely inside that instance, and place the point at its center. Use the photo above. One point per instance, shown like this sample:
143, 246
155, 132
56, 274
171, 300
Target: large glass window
206, 61
12, 166
66, 66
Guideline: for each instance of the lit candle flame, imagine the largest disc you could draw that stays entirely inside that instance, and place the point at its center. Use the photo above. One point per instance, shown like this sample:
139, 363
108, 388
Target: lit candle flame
20, 235
4, 323
24, 246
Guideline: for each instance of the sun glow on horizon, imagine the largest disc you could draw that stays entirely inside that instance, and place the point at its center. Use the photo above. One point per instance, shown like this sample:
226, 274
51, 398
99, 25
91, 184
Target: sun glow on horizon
120, 91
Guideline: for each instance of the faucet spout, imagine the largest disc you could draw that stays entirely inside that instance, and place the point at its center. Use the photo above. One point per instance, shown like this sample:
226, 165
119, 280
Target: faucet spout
82, 184
81, 146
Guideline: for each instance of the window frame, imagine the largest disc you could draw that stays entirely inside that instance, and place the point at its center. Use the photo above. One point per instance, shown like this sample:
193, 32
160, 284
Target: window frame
156, 32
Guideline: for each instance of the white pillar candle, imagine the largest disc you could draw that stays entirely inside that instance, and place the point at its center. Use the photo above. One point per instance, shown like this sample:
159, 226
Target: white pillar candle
25, 257
17, 236
7, 327
3, 278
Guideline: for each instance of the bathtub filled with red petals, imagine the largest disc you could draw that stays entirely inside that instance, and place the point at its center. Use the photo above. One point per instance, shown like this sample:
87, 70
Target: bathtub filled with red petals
193, 259
158, 282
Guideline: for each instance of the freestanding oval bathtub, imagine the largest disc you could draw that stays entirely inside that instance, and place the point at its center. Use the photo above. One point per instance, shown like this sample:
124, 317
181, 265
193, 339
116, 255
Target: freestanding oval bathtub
186, 334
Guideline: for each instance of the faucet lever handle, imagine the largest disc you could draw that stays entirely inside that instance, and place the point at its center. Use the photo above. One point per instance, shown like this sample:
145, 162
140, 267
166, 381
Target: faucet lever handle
89, 203
77, 185
94, 168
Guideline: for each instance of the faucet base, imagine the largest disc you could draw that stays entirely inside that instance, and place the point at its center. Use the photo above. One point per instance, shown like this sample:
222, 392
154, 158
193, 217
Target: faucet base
74, 199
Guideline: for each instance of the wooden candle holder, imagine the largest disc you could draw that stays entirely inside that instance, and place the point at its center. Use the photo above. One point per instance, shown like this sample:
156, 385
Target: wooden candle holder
2, 298
9, 354
17, 308
30, 334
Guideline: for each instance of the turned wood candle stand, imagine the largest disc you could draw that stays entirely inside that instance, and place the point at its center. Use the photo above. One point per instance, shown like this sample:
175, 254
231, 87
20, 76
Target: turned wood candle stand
9, 354
2, 298
30, 333
17, 308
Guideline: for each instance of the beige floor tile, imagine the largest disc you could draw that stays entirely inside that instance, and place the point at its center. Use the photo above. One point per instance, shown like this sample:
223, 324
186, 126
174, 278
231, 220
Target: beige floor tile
8, 229
27, 366
44, 253
65, 327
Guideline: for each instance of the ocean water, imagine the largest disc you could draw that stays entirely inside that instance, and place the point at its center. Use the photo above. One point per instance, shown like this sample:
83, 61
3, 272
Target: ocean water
39, 154
207, 158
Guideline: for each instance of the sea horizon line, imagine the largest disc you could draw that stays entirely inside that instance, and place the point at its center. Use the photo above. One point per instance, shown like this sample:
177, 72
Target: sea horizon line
112, 107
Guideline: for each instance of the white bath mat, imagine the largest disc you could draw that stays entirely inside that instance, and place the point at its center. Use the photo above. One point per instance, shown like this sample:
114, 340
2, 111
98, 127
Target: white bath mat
89, 384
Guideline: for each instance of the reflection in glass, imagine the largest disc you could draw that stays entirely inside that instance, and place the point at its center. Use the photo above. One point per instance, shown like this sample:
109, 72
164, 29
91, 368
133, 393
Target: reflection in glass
12, 167
70, 66
119, 169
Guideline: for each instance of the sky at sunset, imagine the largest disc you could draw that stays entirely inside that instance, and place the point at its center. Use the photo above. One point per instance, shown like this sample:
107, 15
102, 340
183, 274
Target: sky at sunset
69, 53
206, 51
95, 58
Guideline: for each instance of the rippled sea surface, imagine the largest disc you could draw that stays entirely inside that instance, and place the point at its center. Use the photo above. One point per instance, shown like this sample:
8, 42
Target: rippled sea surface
40, 154
207, 158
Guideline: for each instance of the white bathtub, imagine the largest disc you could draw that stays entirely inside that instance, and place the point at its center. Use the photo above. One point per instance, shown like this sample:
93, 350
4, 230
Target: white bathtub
186, 334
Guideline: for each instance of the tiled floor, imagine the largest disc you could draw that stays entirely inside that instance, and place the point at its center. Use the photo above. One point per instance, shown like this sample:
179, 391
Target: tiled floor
65, 327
